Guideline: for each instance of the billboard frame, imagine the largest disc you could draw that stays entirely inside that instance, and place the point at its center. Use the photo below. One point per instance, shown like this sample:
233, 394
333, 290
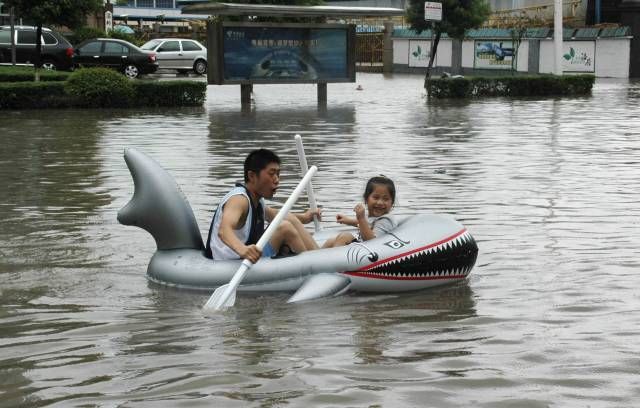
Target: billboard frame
493, 52
215, 53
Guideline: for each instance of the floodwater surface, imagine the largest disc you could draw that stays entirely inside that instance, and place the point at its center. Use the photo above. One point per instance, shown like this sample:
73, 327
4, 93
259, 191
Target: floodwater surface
550, 316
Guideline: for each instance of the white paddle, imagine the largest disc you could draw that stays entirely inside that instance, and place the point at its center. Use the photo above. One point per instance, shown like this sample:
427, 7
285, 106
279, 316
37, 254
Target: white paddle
225, 295
304, 167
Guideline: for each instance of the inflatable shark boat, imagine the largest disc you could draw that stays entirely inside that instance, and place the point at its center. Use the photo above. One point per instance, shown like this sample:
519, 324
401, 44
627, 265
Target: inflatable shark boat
423, 251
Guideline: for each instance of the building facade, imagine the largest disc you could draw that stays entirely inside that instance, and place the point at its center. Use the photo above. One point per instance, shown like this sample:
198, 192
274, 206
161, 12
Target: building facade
147, 12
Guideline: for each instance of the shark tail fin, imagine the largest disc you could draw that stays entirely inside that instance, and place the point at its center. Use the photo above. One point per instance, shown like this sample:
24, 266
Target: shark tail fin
158, 205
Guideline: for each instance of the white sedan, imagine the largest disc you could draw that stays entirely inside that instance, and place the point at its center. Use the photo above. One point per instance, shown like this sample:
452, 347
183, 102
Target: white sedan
179, 54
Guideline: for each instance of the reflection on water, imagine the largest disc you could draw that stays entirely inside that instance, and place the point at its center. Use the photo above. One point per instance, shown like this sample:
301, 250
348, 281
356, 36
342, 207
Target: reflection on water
379, 320
549, 316
229, 132
43, 156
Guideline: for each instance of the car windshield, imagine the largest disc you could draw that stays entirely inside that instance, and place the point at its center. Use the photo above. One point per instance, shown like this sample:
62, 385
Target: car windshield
151, 44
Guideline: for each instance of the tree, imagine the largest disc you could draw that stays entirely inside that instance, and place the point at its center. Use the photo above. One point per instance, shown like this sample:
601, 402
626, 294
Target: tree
457, 17
519, 25
518, 30
69, 13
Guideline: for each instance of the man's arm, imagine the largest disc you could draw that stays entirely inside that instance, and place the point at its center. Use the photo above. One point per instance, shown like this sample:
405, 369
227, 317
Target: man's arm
270, 213
305, 217
234, 212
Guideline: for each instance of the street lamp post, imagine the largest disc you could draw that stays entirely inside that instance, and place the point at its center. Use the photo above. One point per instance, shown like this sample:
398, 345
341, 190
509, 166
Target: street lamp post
12, 22
557, 36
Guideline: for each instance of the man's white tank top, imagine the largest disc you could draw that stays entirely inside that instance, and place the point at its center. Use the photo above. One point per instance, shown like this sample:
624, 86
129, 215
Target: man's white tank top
219, 249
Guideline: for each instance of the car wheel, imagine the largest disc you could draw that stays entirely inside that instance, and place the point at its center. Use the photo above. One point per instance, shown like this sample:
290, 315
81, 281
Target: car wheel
200, 67
49, 65
131, 71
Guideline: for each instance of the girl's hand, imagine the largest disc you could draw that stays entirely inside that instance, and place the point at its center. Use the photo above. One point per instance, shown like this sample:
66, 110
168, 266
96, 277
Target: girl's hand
359, 209
340, 219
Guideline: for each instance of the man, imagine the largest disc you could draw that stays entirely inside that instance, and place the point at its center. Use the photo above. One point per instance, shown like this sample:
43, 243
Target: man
238, 222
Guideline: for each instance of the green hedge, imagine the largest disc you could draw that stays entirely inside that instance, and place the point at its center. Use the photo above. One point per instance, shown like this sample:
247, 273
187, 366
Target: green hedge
169, 93
540, 85
22, 73
100, 87
33, 95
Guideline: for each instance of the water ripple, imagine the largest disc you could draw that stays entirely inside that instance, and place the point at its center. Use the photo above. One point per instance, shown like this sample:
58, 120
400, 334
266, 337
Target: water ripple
548, 186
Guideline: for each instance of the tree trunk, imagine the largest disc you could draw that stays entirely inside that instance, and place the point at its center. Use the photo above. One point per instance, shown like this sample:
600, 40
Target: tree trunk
37, 63
432, 57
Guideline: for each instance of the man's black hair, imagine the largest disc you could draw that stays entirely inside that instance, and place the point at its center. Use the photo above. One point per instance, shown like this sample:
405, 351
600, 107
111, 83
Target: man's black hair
258, 160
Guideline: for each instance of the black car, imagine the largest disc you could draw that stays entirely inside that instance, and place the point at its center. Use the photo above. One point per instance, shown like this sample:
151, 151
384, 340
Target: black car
56, 51
117, 54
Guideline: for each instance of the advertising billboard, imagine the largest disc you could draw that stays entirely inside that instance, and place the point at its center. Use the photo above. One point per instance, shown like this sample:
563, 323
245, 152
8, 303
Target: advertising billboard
493, 54
283, 53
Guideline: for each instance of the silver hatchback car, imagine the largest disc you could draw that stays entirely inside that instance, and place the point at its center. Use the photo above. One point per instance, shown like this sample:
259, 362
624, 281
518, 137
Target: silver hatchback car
180, 54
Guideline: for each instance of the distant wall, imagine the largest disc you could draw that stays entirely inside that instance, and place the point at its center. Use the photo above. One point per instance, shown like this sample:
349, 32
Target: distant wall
610, 57
605, 53
412, 54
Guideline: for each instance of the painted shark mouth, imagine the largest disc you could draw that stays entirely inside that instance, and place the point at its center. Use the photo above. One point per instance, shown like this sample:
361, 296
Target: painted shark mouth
450, 258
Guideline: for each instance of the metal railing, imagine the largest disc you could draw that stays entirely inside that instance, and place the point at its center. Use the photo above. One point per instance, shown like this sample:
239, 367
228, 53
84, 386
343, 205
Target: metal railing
369, 48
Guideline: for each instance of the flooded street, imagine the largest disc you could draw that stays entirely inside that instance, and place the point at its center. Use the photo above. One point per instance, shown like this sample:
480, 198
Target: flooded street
550, 315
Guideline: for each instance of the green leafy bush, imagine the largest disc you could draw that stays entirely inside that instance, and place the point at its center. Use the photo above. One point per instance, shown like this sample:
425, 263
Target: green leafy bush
33, 95
99, 87
86, 33
22, 73
126, 37
540, 85
169, 93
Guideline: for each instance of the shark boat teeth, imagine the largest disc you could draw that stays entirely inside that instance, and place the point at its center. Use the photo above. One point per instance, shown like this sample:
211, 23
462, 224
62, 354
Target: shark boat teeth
446, 260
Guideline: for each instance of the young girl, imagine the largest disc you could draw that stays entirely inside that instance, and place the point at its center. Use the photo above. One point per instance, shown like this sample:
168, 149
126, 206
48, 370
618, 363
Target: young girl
379, 196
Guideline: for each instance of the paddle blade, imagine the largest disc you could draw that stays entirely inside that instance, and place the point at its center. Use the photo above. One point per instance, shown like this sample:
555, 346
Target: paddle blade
225, 295
219, 301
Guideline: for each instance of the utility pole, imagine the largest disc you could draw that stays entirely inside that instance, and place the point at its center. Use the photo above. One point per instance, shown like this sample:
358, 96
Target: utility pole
432, 13
12, 17
557, 36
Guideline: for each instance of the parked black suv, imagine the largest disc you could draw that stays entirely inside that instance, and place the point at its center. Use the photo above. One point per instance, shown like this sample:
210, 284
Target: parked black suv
117, 54
56, 51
